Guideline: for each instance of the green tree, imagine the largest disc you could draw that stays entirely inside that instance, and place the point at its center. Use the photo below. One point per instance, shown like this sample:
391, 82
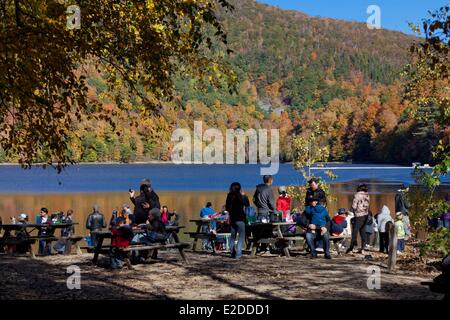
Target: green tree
428, 87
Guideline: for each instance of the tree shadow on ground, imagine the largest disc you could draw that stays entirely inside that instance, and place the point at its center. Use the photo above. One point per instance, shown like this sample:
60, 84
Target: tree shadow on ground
23, 278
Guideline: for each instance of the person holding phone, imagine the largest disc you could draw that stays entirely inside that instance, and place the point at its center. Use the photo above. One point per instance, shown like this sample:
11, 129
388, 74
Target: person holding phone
145, 203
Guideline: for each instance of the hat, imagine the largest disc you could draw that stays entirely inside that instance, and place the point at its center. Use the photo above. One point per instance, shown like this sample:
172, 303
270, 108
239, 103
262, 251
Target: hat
145, 182
342, 211
398, 214
23, 217
281, 189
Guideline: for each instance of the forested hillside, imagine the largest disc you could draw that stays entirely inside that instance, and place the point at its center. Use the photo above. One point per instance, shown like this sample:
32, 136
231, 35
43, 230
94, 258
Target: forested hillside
293, 70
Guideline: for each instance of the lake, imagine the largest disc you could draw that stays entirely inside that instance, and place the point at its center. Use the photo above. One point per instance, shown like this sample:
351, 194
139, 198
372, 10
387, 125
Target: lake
184, 188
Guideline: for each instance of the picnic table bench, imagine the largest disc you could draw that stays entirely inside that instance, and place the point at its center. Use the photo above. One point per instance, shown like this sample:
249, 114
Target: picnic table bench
198, 234
100, 248
270, 233
27, 239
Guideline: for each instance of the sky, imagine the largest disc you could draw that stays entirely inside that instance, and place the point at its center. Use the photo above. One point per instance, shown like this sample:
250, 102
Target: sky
395, 14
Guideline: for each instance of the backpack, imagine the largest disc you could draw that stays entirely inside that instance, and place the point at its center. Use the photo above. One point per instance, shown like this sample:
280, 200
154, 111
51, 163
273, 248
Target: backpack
250, 214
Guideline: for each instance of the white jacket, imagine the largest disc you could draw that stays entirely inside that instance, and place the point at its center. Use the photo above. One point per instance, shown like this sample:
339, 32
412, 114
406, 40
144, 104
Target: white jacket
383, 217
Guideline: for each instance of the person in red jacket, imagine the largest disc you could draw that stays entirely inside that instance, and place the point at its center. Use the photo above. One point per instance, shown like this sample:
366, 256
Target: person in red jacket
121, 238
284, 203
339, 222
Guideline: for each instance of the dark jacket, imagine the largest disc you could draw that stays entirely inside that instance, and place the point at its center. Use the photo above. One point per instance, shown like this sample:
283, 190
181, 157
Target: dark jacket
402, 203
318, 194
235, 205
264, 199
95, 221
157, 225
140, 214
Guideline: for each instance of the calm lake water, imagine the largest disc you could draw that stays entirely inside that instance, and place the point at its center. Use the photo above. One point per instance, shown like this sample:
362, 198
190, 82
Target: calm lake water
184, 188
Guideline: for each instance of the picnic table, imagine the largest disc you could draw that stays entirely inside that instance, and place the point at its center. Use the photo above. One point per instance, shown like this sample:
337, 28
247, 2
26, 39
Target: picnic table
270, 233
27, 239
198, 234
100, 248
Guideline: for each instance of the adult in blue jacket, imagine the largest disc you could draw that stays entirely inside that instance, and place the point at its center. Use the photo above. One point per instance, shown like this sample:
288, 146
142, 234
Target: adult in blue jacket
318, 223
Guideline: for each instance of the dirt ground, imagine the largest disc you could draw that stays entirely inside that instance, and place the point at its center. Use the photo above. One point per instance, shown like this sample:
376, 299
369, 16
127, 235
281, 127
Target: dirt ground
212, 277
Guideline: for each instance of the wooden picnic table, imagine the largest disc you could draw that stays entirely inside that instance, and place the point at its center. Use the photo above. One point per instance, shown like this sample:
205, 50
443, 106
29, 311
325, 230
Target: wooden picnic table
173, 230
27, 239
211, 237
269, 233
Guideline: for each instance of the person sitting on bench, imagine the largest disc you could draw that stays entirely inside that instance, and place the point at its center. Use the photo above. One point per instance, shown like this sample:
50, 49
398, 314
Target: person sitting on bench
339, 222
21, 247
122, 235
316, 217
157, 231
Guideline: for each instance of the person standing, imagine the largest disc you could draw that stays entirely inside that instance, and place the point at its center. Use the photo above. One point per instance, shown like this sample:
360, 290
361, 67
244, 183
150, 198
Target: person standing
264, 199
284, 204
43, 218
147, 201
382, 219
315, 192
207, 212
360, 208
400, 228
95, 222
235, 204
403, 205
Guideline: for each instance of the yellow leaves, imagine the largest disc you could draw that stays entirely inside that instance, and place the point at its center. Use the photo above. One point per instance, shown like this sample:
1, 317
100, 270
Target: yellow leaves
150, 5
158, 27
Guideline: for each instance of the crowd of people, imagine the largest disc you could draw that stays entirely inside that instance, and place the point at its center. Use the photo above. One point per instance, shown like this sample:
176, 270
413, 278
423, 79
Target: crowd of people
237, 213
356, 223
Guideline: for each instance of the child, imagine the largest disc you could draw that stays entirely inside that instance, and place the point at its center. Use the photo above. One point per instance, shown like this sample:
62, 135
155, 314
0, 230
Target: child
173, 218
339, 222
165, 215
284, 204
382, 219
122, 235
401, 232
207, 212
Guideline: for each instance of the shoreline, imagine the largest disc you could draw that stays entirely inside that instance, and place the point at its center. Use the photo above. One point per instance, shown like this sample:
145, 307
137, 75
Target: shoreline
150, 162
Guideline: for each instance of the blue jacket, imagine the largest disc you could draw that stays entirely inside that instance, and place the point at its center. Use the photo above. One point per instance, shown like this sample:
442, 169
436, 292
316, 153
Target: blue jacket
317, 215
338, 228
206, 212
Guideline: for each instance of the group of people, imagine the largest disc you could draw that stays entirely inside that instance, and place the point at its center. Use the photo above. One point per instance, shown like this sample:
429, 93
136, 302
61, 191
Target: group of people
239, 213
48, 219
148, 214
315, 219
